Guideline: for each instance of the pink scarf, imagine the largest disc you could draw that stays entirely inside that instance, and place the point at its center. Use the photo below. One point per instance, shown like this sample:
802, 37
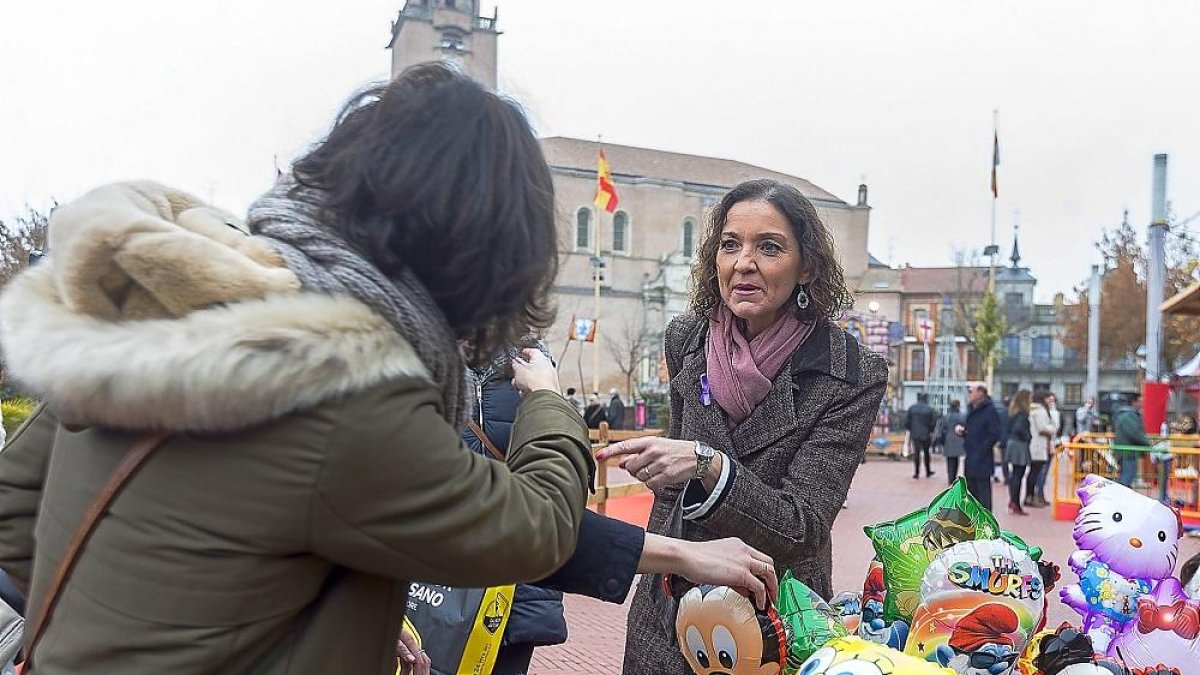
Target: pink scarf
740, 370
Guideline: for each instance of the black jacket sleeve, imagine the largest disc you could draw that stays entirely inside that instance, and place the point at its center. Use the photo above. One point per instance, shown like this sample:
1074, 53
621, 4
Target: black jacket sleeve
605, 560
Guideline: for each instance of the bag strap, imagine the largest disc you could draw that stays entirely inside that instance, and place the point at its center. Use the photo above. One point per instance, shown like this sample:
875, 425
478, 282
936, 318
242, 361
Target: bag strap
120, 476
487, 442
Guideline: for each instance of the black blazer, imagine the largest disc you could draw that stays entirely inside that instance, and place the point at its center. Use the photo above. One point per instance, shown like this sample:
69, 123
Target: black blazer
606, 553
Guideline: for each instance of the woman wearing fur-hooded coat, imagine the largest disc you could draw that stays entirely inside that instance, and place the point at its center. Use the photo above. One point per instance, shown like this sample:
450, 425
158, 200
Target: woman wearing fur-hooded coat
309, 379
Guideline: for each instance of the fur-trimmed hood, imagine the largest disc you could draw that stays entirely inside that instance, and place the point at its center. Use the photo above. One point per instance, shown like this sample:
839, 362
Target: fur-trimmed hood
154, 311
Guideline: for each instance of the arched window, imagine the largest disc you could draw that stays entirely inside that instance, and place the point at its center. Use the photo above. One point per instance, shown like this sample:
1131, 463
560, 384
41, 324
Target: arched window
689, 237
620, 242
583, 229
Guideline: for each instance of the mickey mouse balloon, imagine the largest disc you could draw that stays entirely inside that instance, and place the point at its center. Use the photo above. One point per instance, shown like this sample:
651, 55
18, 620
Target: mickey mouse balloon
721, 633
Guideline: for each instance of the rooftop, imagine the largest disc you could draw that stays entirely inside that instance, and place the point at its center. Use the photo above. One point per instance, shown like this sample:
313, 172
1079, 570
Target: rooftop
633, 162
940, 280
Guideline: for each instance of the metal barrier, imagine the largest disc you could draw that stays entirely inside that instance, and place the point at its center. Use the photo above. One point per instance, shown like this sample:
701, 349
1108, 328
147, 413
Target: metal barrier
602, 438
1175, 479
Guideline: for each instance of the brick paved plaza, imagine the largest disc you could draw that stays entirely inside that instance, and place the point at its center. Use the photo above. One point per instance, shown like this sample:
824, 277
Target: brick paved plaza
882, 491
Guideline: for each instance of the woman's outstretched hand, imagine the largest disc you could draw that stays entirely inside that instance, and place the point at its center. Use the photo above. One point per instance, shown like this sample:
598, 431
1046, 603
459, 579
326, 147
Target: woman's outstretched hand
722, 562
655, 461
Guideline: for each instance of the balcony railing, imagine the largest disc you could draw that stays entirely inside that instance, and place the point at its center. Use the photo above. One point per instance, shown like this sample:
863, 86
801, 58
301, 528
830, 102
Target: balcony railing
1041, 363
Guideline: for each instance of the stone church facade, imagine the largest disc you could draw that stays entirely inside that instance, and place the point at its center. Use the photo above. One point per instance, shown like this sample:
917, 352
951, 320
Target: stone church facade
646, 247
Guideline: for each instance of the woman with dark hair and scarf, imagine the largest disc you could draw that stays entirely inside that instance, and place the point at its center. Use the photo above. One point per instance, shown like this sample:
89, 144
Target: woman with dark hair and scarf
771, 404
305, 372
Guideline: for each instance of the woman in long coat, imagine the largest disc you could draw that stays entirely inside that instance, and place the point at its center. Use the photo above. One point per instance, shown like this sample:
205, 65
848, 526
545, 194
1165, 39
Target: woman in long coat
771, 405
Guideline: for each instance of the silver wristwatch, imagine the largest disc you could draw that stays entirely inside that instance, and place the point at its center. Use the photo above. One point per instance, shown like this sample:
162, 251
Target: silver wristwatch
704, 459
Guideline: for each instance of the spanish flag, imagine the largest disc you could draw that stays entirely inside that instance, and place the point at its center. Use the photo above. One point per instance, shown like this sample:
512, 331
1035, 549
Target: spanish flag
606, 190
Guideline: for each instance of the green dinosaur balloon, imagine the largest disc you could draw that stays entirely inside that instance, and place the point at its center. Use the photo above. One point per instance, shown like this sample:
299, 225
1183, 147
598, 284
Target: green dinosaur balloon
809, 620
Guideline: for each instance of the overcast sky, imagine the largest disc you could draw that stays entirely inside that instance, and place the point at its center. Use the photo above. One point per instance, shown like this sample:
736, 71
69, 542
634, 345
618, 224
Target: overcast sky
203, 95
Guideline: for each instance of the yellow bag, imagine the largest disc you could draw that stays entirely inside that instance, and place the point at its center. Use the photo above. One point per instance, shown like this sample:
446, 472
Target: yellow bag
460, 629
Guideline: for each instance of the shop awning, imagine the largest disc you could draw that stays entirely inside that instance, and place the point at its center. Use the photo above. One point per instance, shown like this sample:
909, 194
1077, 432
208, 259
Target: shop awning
1184, 302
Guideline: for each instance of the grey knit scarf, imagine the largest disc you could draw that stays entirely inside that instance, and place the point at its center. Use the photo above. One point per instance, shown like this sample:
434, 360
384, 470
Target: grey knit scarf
287, 217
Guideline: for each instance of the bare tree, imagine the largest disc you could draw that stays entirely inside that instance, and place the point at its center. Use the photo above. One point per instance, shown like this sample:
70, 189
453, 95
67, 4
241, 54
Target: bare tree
21, 235
627, 346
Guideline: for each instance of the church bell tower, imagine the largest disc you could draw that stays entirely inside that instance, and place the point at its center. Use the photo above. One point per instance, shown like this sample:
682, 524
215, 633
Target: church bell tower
451, 31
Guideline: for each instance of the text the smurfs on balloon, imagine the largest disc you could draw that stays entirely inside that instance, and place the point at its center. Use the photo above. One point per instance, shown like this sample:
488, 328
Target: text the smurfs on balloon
1127, 544
980, 602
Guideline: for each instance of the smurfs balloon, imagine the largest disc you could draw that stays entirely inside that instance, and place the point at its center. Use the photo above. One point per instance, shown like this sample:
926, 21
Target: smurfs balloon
874, 627
981, 600
848, 606
721, 633
1127, 543
1165, 631
907, 544
855, 656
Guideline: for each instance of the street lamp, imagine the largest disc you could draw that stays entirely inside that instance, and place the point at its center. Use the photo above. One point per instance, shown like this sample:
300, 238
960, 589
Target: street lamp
873, 306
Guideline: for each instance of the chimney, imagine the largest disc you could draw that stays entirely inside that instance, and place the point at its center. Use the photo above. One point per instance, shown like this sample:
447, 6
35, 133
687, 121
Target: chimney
862, 194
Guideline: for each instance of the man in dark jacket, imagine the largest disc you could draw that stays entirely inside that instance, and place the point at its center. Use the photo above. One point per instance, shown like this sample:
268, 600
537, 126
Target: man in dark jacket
616, 410
919, 422
595, 413
980, 435
1129, 429
1002, 446
537, 616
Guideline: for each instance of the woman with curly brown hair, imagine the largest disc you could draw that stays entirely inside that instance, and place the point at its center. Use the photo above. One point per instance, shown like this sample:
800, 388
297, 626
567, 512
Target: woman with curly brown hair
771, 404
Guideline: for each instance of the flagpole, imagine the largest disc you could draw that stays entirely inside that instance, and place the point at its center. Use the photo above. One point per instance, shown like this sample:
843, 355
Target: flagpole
596, 284
995, 194
991, 365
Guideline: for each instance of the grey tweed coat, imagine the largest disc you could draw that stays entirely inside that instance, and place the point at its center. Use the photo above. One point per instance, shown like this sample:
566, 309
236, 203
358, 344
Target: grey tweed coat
794, 459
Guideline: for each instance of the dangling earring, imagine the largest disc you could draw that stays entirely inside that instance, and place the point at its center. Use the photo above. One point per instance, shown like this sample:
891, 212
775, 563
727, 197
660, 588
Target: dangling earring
802, 300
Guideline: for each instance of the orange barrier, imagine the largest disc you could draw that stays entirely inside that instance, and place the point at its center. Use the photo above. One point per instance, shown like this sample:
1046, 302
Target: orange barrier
1178, 479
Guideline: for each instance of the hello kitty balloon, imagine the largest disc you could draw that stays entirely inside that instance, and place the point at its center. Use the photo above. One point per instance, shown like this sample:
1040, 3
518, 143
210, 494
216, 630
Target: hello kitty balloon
1127, 544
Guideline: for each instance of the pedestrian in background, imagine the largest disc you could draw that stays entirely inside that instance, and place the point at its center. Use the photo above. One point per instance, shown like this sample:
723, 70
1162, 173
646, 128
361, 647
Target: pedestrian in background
1087, 418
616, 410
1016, 452
951, 443
1041, 448
574, 399
596, 413
1128, 429
919, 422
980, 434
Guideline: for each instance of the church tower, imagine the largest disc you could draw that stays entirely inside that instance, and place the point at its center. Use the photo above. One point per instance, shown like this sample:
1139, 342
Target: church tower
446, 30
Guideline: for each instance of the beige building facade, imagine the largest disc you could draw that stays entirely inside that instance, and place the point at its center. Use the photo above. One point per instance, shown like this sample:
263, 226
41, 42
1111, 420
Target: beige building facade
647, 246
